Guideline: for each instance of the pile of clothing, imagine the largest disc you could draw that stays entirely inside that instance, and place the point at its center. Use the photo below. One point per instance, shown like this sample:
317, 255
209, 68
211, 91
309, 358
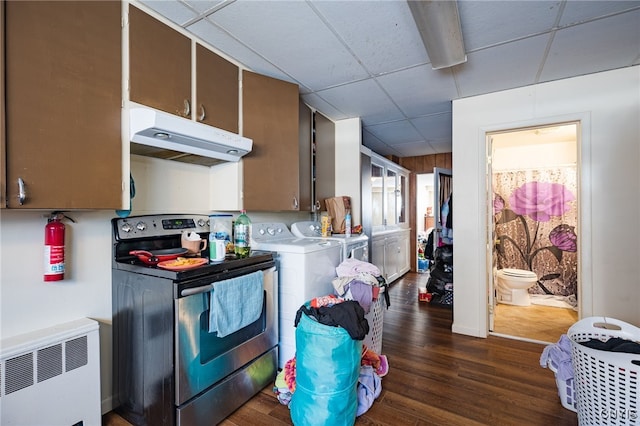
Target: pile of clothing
440, 284
360, 281
357, 286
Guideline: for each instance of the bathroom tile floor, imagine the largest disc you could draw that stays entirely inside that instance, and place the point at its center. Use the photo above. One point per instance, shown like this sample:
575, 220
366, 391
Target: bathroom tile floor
536, 322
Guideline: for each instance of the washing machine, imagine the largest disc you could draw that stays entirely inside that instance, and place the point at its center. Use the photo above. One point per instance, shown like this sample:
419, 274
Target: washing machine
353, 246
306, 267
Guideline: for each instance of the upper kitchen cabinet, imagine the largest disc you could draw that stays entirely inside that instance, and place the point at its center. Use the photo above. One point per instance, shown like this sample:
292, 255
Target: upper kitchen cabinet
63, 65
159, 65
317, 158
160, 74
324, 148
217, 90
271, 172
3, 149
305, 130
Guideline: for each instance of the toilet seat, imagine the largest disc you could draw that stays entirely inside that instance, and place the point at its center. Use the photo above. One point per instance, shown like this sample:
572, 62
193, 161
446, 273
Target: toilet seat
518, 273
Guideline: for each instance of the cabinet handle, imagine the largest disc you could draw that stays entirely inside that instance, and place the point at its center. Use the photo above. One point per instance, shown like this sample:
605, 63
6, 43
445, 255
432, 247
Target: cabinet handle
317, 205
202, 113
295, 203
187, 108
22, 193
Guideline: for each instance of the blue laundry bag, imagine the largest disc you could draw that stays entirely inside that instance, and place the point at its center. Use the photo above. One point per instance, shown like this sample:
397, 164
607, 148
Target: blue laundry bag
327, 371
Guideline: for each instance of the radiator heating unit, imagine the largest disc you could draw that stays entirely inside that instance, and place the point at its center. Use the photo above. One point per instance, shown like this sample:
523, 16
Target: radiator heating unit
51, 376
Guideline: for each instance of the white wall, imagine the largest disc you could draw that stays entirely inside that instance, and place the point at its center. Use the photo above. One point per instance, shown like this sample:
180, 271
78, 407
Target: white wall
608, 105
347, 161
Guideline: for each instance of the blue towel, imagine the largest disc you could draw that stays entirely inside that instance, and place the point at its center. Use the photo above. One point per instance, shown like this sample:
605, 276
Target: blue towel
235, 303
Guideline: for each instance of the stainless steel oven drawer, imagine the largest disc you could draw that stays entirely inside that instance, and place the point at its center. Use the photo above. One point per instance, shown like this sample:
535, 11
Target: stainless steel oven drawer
231, 393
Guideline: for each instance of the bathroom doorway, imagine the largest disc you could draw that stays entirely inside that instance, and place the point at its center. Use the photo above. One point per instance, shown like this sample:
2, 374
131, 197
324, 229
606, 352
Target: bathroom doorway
533, 210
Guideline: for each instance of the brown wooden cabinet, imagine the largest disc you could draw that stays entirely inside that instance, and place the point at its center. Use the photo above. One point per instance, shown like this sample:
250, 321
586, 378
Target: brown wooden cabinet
160, 74
325, 159
159, 65
217, 90
63, 104
305, 130
317, 159
271, 172
3, 149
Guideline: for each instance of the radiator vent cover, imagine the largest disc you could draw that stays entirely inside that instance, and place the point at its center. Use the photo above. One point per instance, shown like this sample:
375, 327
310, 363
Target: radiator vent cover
60, 368
19, 373
49, 362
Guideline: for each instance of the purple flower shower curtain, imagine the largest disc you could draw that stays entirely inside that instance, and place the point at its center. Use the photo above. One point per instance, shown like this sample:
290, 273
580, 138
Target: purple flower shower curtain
535, 216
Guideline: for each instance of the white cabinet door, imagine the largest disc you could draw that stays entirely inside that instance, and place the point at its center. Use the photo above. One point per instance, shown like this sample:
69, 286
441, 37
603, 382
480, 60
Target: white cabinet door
377, 254
403, 254
391, 257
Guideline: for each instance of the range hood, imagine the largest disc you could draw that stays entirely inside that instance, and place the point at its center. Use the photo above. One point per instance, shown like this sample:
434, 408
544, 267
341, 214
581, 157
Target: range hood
159, 134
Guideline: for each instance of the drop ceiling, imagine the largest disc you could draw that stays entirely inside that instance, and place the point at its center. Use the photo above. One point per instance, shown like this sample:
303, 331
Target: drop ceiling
366, 58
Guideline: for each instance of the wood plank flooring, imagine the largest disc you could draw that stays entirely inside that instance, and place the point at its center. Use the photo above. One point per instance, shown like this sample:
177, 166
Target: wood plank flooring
437, 377
536, 322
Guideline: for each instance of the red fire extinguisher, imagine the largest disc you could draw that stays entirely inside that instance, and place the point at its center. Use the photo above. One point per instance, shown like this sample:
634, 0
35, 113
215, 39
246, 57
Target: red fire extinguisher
54, 248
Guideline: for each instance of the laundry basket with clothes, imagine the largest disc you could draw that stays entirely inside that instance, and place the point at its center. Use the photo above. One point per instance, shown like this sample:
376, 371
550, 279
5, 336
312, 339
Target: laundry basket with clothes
557, 358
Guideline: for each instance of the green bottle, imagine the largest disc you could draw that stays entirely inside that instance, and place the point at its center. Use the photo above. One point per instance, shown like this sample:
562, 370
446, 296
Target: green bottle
242, 235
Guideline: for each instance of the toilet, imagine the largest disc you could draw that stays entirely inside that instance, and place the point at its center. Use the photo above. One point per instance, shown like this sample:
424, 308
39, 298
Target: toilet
512, 286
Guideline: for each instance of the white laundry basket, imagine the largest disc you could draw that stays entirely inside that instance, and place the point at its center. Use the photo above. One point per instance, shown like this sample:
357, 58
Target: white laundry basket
607, 383
566, 389
375, 317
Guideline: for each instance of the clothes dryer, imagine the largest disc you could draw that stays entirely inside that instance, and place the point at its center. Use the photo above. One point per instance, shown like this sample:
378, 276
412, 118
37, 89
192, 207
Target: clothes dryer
306, 267
354, 246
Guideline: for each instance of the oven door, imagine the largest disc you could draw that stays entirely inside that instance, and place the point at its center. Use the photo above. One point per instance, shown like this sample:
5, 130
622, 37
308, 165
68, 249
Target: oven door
202, 358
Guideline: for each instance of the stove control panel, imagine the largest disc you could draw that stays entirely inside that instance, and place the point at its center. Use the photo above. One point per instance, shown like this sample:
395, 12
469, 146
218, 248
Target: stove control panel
158, 226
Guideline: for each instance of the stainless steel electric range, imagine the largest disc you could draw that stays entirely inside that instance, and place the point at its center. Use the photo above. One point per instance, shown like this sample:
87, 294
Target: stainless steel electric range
168, 368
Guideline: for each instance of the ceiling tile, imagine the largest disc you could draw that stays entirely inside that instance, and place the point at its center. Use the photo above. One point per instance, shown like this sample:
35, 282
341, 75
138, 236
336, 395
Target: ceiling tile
326, 108
395, 132
375, 144
382, 34
434, 127
486, 23
291, 35
202, 6
413, 149
420, 90
441, 147
362, 99
581, 11
221, 41
587, 48
177, 12
503, 67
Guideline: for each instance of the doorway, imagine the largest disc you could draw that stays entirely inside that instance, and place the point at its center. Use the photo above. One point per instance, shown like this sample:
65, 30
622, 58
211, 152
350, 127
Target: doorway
533, 187
424, 218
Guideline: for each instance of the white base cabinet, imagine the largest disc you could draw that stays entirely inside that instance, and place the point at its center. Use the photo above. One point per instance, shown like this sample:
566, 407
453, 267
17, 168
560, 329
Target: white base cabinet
390, 253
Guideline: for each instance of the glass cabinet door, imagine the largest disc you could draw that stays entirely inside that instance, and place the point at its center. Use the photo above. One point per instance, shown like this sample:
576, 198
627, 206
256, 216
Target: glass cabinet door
377, 195
390, 201
401, 199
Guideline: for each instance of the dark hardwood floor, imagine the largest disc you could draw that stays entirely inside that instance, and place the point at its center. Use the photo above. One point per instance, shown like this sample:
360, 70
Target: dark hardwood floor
440, 378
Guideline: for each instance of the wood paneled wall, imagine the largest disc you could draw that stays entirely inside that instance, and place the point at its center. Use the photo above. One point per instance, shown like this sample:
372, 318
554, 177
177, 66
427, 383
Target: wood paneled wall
426, 163
419, 165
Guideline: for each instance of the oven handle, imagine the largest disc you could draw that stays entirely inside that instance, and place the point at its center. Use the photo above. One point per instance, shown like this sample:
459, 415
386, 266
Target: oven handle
208, 287
196, 290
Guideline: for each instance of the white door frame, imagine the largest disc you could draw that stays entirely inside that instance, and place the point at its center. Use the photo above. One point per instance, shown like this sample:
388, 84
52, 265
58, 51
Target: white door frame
585, 288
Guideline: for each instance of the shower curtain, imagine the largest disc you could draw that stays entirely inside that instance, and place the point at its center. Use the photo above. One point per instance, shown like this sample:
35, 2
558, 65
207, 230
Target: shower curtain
535, 216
